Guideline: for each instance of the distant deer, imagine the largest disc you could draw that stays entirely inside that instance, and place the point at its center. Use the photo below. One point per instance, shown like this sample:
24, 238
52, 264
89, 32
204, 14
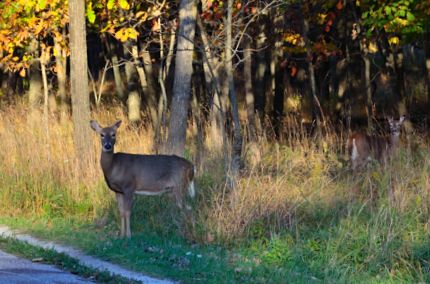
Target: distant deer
127, 174
363, 147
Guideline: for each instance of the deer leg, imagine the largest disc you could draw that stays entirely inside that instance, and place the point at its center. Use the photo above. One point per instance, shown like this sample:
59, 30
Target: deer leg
128, 204
178, 196
120, 200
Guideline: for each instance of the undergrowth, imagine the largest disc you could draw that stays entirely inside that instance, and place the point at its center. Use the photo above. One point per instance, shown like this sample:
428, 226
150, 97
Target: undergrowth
296, 213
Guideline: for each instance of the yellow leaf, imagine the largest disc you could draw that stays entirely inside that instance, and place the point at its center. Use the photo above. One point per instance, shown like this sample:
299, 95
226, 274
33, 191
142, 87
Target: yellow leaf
142, 16
373, 48
321, 18
132, 33
124, 4
22, 73
394, 40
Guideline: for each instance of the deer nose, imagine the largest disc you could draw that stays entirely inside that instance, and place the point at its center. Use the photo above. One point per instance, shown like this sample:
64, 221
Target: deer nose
107, 146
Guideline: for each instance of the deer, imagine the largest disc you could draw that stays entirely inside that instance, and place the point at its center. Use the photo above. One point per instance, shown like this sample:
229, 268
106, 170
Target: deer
362, 147
129, 174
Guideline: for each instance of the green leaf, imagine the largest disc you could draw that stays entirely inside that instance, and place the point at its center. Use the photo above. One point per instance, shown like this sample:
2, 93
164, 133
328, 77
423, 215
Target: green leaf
41, 5
388, 10
410, 17
91, 15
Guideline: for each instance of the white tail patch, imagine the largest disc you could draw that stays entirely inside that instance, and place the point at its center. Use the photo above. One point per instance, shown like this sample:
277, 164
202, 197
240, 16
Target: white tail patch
354, 152
191, 190
151, 193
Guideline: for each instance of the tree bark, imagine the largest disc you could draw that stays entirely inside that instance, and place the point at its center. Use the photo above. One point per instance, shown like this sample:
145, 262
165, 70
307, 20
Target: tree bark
151, 95
237, 135
249, 92
217, 108
61, 66
35, 90
113, 56
427, 55
79, 84
182, 81
278, 85
318, 112
367, 84
133, 98
260, 72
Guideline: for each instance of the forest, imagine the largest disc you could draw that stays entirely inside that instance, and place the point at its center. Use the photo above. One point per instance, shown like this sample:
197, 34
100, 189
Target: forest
263, 97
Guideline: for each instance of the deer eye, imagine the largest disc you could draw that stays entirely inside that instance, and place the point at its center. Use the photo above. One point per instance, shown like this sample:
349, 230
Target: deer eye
113, 135
102, 135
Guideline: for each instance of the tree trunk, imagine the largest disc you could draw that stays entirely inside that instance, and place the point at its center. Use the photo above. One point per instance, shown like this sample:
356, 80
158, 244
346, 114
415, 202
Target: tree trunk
79, 84
368, 86
237, 135
217, 108
151, 95
44, 58
182, 81
278, 80
260, 71
133, 98
249, 93
113, 56
35, 89
61, 66
427, 54
35, 94
317, 109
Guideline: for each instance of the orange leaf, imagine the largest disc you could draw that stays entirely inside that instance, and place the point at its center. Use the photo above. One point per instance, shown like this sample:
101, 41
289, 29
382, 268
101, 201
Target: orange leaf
22, 73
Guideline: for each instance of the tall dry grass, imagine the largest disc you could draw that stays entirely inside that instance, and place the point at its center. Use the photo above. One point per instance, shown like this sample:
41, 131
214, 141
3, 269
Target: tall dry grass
283, 185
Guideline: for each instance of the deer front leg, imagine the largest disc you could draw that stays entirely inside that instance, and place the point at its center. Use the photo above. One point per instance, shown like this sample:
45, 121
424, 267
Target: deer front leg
128, 204
121, 208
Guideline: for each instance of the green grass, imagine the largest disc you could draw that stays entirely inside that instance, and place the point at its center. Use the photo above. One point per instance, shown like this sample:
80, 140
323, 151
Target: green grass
361, 246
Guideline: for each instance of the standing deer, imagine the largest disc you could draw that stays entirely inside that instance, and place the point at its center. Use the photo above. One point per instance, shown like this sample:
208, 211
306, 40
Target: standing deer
362, 147
127, 174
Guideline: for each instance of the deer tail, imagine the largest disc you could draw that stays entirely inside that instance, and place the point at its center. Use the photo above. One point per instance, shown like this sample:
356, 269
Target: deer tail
191, 188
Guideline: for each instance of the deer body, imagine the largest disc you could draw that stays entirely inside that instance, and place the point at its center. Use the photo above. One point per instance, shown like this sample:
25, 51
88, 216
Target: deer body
128, 174
362, 147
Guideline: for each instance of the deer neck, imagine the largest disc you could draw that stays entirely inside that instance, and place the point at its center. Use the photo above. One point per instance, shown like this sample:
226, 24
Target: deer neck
106, 162
394, 139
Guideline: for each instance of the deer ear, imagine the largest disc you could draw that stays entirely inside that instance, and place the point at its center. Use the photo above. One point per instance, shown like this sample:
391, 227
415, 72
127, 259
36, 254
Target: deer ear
402, 118
117, 124
390, 120
95, 126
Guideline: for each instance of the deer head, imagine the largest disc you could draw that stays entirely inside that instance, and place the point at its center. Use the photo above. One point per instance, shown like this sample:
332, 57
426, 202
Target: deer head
107, 134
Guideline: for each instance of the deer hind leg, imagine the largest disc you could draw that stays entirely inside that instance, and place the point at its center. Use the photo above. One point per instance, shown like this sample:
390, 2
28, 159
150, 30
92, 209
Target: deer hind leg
121, 208
178, 196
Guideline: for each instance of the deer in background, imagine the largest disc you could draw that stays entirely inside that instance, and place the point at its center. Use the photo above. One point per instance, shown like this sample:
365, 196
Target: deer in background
128, 174
362, 147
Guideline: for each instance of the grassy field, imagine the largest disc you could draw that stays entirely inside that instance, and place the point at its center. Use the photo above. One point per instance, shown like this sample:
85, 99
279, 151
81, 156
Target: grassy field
297, 215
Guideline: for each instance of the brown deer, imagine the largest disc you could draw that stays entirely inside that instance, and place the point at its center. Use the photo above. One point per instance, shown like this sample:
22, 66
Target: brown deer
362, 147
128, 174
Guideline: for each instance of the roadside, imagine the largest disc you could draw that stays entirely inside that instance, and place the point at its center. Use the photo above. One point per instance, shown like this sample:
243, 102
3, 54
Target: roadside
81, 258
18, 270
